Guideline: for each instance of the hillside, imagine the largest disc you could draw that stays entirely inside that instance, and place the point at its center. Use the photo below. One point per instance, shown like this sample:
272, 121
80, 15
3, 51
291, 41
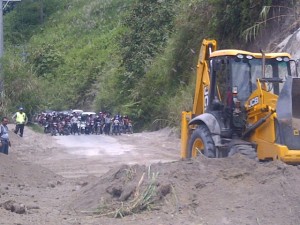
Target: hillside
133, 57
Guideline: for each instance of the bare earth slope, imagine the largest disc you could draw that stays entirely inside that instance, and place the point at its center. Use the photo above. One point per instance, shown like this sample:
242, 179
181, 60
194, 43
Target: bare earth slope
37, 187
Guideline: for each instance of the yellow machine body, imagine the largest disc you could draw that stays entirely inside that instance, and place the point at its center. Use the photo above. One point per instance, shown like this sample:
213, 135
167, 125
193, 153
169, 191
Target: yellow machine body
265, 125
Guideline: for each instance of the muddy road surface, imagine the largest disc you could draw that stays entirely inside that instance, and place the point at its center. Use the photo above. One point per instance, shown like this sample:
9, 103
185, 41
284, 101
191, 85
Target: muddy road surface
139, 179
82, 155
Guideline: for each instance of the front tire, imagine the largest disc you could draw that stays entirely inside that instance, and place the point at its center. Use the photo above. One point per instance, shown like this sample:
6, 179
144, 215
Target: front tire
246, 150
201, 142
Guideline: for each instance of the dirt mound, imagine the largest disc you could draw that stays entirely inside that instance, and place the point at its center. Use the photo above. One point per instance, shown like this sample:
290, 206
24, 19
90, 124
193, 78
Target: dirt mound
221, 191
28, 191
17, 171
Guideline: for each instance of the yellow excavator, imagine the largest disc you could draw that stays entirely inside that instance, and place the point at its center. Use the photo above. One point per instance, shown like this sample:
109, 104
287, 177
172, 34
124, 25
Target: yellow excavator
245, 102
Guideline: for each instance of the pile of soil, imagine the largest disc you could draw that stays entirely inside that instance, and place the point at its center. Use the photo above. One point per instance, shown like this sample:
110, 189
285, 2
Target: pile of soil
203, 191
233, 190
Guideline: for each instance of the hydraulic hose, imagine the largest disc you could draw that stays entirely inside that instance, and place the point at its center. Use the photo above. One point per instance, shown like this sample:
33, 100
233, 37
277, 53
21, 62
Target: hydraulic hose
250, 129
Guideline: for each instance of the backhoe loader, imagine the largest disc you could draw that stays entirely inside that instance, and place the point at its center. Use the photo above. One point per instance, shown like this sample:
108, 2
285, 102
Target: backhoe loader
245, 102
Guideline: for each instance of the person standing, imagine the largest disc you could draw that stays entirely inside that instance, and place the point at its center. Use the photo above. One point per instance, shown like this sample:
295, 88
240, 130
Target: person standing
21, 119
107, 125
4, 138
75, 127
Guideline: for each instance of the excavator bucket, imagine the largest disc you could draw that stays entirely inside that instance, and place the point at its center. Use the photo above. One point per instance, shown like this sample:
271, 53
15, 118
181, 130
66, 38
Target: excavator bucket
288, 114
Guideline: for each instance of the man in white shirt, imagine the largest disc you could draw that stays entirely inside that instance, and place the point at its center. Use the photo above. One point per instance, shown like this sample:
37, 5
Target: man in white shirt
4, 138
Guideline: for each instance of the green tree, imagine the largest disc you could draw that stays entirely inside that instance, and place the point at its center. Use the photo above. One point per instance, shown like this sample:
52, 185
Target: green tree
21, 86
45, 59
27, 17
149, 26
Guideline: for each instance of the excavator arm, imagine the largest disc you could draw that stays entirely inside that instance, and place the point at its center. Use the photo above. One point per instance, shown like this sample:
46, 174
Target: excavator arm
203, 80
201, 92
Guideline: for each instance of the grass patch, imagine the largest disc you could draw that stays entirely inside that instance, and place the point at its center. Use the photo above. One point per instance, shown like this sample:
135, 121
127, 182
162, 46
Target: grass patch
143, 197
143, 200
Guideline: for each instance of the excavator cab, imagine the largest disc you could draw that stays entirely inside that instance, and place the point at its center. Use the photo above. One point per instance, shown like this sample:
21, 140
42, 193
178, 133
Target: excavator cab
238, 104
234, 76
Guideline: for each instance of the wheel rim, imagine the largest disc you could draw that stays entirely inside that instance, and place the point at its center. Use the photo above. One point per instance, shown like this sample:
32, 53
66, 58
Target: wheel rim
198, 147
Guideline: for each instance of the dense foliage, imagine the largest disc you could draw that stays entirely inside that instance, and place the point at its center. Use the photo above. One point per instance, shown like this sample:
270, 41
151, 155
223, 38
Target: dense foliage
136, 57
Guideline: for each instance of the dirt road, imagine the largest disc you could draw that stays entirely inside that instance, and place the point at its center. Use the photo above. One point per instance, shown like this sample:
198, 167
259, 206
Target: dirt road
83, 155
138, 179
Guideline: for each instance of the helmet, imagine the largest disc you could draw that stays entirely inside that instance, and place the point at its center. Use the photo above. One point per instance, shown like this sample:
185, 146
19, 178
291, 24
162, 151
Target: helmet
21, 108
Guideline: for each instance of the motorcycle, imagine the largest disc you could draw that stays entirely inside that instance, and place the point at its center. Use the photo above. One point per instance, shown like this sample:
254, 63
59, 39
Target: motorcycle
64, 128
92, 127
60, 128
67, 128
107, 128
75, 128
129, 128
54, 129
82, 127
88, 128
47, 128
98, 128
116, 127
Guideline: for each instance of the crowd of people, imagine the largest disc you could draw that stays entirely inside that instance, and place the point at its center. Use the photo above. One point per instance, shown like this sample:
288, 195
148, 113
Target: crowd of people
66, 123
76, 122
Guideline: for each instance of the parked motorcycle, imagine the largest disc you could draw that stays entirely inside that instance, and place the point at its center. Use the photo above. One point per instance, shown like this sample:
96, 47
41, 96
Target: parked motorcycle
75, 128
128, 129
107, 128
98, 128
88, 128
60, 127
63, 128
67, 130
54, 129
47, 128
92, 127
127, 126
116, 127
82, 127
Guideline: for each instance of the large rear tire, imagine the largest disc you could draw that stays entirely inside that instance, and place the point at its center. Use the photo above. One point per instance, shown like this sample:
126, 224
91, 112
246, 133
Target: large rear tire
201, 142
